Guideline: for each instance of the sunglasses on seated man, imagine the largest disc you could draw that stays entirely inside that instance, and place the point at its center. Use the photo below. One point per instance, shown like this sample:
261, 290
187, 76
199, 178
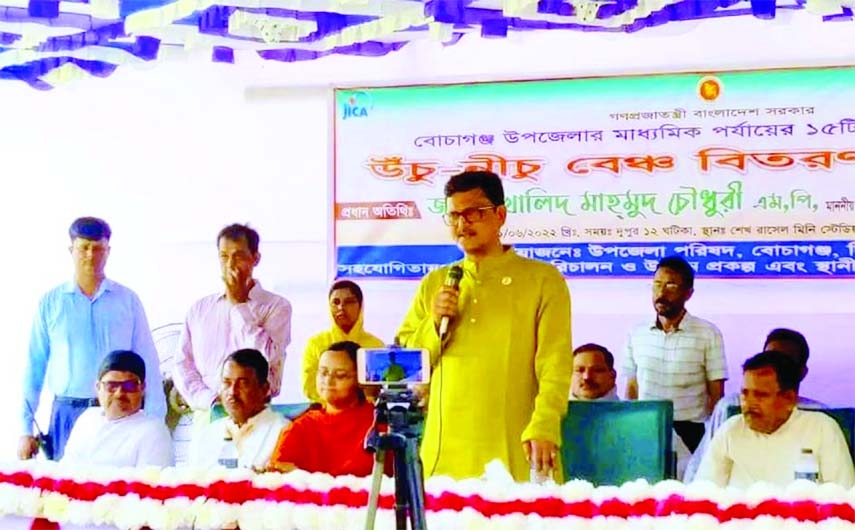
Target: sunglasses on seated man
128, 385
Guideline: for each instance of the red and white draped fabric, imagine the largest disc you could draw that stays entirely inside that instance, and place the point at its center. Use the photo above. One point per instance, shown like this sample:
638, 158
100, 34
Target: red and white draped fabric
185, 498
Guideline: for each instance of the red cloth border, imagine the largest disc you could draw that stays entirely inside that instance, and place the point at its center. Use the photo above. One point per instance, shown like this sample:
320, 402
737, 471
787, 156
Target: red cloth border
244, 491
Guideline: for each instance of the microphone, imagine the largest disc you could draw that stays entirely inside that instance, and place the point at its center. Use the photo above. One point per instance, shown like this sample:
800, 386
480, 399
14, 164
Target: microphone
455, 273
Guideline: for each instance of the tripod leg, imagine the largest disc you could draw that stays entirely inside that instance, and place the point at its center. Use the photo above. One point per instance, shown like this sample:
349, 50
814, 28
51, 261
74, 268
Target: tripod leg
402, 493
416, 486
374, 495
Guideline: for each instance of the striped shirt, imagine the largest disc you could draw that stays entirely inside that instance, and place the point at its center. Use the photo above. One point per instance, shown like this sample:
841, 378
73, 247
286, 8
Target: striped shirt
677, 365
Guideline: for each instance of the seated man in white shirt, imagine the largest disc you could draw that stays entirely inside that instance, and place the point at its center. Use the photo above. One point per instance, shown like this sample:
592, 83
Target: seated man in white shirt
781, 340
764, 443
251, 425
118, 433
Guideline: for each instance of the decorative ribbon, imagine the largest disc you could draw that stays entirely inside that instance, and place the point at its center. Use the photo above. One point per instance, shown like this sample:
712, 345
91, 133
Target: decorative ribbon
29, 493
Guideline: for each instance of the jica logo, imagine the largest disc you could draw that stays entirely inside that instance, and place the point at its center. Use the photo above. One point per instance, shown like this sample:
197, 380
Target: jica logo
357, 105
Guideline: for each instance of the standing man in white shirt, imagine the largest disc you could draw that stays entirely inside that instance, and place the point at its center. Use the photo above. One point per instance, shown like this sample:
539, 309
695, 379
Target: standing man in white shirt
251, 424
118, 433
243, 316
678, 357
765, 442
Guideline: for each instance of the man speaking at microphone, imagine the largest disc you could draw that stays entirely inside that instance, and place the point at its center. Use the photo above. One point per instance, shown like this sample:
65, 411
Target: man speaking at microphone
501, 371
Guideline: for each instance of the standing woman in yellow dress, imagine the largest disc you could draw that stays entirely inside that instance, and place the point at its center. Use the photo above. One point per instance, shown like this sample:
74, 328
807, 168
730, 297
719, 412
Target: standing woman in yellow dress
346, 312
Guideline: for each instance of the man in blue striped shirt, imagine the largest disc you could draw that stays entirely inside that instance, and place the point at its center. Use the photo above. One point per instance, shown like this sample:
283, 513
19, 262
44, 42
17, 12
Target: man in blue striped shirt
76, 326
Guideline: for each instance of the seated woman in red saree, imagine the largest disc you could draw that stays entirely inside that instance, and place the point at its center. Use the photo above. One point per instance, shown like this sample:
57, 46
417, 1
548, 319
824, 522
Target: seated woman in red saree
330, 438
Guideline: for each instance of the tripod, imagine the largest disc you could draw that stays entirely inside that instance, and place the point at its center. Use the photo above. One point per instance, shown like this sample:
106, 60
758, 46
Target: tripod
395, 414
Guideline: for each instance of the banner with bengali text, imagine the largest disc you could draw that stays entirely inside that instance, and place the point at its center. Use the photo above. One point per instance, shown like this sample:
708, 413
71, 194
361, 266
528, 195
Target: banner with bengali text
745, 174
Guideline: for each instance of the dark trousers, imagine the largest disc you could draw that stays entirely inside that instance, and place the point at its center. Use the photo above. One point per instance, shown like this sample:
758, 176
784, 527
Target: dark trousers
63, 415
691, 433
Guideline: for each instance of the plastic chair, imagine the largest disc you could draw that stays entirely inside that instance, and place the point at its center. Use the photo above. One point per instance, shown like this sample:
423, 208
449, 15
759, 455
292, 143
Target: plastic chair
289, 410
612, 442
845, 417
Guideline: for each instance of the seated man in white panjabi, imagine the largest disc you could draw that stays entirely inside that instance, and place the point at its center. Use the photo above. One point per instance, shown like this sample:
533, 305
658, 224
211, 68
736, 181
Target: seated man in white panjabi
766, 441
782, 340
251, 425
118, 433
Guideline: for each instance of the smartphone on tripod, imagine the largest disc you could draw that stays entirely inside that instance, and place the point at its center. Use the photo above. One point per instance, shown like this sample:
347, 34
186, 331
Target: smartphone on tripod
393, 367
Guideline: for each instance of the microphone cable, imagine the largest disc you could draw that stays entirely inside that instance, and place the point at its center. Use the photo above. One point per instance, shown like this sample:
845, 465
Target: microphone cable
442, 338
438, 408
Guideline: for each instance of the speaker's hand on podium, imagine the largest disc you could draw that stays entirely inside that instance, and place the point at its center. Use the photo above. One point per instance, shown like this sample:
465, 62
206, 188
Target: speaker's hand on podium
542, 455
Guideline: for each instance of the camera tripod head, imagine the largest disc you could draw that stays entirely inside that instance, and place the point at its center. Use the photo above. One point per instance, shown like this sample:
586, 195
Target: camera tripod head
397, 418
